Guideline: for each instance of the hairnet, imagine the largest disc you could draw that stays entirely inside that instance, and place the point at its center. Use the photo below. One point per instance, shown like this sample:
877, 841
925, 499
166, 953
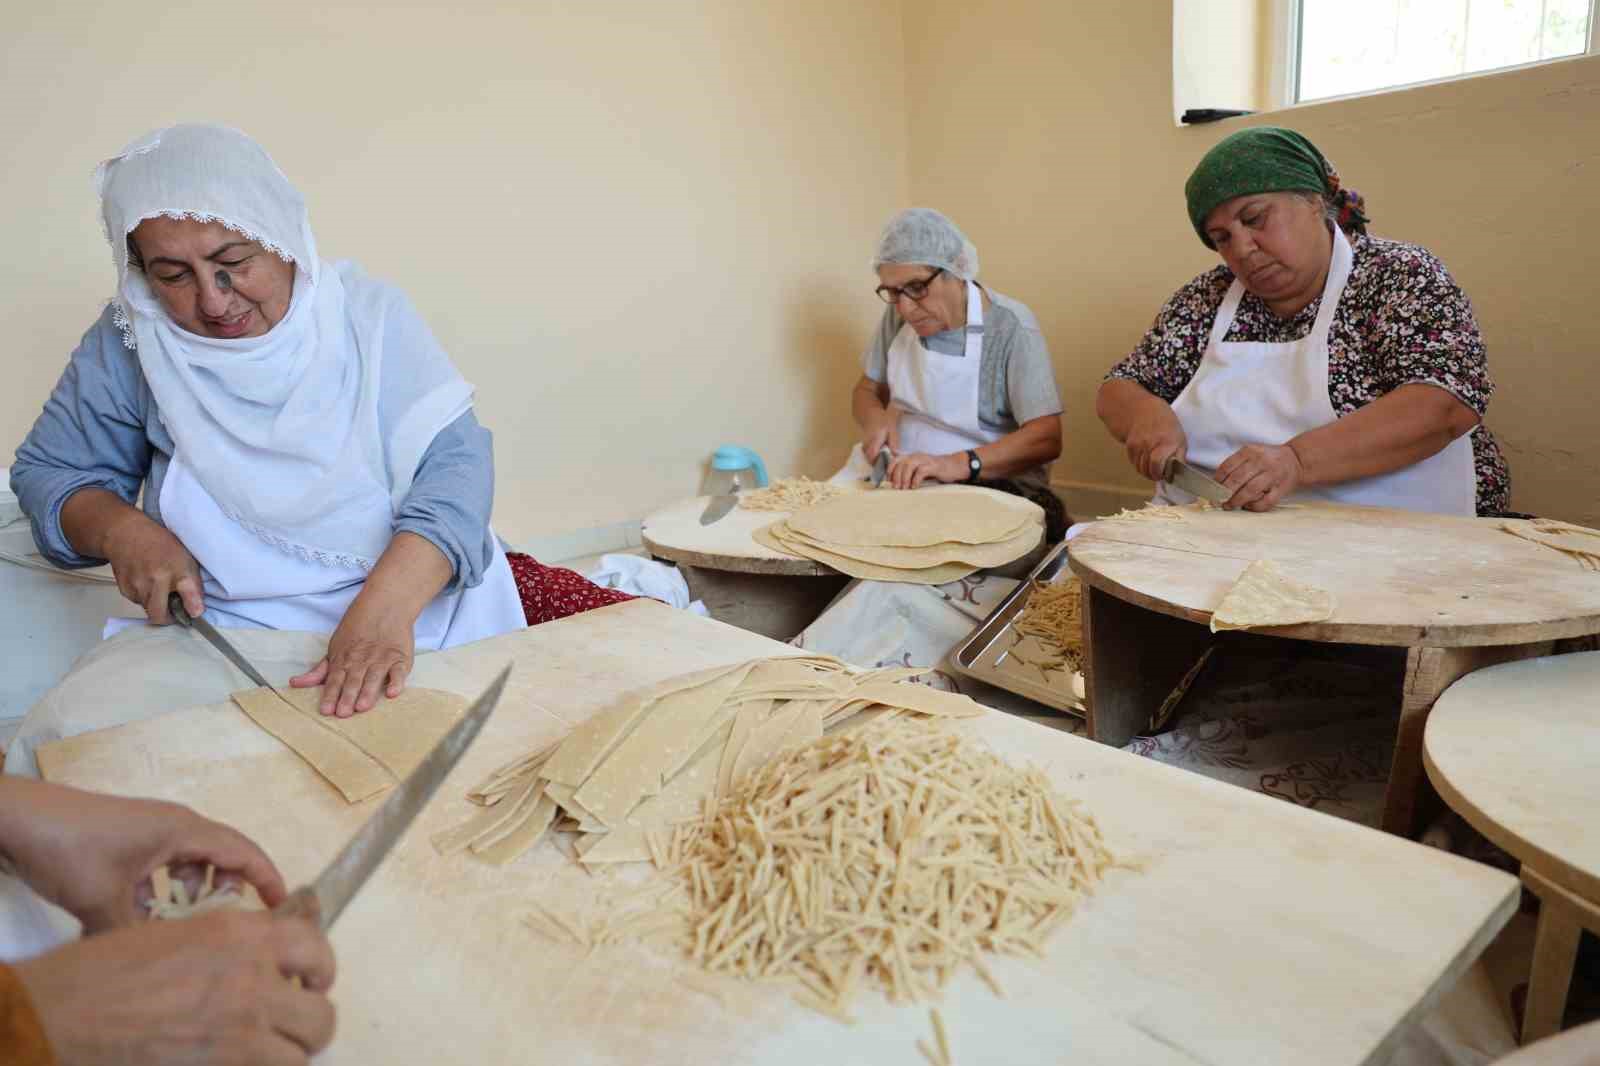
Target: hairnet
923, 235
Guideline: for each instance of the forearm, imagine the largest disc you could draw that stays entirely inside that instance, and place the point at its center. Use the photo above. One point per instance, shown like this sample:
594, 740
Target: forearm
869, 403
1031, 445
1393, 432
18, 811
1121, 404
409, 574
89, 518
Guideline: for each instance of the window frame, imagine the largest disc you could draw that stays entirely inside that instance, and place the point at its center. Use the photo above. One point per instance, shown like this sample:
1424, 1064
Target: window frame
1286, 56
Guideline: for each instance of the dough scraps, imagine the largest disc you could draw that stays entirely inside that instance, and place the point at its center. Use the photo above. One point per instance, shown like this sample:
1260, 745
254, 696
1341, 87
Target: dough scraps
1156, 512
890, 855
170, 899
789, 494
669, 752
1053, 615
1579, 543
1264, 596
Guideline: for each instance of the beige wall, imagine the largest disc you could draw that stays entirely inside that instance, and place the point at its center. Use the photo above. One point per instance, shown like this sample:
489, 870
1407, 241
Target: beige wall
1054, 146
640, 227
1220, 64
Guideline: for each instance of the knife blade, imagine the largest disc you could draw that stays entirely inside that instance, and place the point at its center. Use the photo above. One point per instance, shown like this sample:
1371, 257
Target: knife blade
719, 506
880, 467
325, 898
218, 641
1193, 480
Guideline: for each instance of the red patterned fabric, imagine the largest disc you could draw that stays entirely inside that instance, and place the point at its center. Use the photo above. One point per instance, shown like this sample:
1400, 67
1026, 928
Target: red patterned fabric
551, 592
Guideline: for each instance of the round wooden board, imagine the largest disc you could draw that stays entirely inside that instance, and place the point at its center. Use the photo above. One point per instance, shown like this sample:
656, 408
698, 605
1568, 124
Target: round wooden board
1515, 750
675, 533
1398, 578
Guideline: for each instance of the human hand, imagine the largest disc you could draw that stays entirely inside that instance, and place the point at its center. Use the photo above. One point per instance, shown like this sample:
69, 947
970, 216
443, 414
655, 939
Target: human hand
1153, 439
150, 563
884, 434
1260, 476
214, 990
93, 854
910, 471
371, 652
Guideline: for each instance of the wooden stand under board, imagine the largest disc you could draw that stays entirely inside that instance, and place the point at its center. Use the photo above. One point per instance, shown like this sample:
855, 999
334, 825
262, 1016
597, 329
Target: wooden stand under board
1516, 752
1457, 594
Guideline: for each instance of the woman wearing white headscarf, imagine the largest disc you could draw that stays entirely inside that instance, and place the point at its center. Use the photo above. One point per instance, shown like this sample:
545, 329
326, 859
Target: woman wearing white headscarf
957, 383
308, 455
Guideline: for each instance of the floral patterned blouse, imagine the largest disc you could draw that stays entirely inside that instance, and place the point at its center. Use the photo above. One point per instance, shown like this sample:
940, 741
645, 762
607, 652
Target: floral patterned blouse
1402, 319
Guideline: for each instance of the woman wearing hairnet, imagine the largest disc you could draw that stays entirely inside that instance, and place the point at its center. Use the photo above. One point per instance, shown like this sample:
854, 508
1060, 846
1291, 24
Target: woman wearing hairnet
957, 382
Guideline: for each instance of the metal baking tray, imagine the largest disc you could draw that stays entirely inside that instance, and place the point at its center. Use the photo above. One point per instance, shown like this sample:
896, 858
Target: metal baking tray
998, 655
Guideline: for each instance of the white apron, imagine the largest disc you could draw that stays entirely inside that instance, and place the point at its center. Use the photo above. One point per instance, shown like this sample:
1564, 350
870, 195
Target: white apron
1261, 393
248, 583
935, 395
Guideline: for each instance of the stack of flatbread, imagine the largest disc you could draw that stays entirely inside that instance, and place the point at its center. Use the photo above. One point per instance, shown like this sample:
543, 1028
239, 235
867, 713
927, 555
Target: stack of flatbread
626, 777
926, 537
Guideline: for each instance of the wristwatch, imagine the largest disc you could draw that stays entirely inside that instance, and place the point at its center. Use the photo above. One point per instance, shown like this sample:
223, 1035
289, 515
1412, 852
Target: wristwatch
974, 465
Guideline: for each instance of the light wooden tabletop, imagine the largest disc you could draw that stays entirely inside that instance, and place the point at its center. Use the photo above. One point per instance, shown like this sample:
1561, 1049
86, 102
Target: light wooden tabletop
1254, 930
1515, 750
1399, 578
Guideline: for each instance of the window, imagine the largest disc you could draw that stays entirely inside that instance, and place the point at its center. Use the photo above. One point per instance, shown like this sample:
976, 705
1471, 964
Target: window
1357, 46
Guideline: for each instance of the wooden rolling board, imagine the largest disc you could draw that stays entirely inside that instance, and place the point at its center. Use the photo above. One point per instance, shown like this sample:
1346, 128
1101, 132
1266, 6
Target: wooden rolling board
1397, 577
729, 543
1255, 932
1515, 750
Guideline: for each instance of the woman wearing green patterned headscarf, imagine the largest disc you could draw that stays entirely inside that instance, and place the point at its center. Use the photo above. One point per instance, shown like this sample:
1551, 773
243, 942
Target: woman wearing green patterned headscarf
1316, 361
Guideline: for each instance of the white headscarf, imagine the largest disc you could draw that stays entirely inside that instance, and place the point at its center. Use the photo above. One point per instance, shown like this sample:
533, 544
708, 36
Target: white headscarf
282, 430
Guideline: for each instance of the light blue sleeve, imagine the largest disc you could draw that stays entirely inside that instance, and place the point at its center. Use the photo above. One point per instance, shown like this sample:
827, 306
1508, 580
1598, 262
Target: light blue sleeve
875, 359
452, 497
91, 433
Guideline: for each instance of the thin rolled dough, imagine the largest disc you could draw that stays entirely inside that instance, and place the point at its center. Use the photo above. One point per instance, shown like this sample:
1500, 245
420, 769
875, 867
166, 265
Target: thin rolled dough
366, 753
1265, 596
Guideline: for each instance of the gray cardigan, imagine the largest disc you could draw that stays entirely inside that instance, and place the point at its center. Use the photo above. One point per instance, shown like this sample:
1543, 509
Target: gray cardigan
101, 428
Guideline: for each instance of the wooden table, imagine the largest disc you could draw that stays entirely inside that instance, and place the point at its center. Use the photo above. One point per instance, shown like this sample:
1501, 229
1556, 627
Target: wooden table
1515, 750
1254, 931
1454, 594
1578, 1047
741, 582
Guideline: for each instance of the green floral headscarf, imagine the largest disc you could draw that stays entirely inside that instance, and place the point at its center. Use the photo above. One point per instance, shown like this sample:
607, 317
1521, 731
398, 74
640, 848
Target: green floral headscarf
1267, 159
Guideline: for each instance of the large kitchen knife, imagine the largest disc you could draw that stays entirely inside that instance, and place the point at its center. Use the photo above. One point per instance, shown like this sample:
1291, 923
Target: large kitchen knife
218, 641
324, 899
719, 506
1193, 480
880, 467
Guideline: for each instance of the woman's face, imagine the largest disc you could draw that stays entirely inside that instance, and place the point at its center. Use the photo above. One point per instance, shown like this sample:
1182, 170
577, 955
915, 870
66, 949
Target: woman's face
213, 281
942, 307
1277, 244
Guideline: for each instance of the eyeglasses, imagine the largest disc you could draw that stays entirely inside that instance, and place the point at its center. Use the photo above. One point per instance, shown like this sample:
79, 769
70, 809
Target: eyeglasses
916, 290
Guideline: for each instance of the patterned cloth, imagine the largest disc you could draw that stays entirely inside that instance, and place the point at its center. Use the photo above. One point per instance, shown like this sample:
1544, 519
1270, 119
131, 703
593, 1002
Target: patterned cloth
1056, 519
1402, 319
551, 592
1267, 159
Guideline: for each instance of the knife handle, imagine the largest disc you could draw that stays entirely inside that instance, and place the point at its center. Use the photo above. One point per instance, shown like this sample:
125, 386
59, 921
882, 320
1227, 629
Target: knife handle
302, 903
176, 609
